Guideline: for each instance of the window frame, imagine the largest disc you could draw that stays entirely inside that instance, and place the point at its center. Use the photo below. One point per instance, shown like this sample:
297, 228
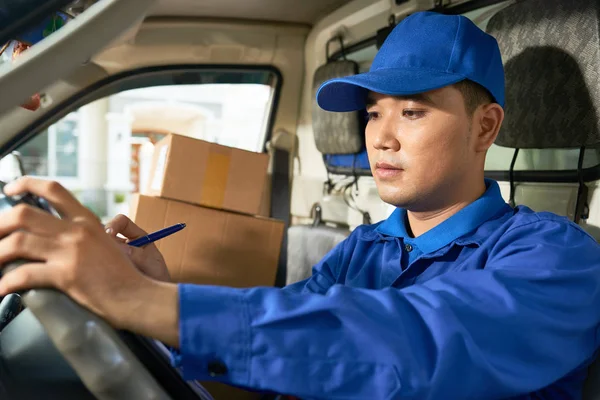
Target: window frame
130, 79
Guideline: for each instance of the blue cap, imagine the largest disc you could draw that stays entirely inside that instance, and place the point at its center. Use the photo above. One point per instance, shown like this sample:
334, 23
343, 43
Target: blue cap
425, 51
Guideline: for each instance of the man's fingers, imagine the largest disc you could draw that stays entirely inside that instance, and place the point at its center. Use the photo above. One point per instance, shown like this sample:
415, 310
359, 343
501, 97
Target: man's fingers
135, 254
126, 227
25, 245
126, 249
60, 198
27, 276
30, 219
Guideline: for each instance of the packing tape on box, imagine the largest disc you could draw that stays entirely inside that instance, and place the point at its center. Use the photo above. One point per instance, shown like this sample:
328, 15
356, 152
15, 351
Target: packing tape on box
215, 178
159, 171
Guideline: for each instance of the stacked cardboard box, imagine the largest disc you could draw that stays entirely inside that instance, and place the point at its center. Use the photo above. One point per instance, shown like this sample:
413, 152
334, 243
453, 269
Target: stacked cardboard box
219, 193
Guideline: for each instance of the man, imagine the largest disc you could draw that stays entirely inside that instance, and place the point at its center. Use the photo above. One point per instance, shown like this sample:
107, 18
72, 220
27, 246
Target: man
455, 296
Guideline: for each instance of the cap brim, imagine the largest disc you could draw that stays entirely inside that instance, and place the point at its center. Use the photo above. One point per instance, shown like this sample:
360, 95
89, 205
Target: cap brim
349, 93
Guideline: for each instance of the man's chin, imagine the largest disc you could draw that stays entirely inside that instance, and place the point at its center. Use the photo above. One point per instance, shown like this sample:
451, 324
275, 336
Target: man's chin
394, 199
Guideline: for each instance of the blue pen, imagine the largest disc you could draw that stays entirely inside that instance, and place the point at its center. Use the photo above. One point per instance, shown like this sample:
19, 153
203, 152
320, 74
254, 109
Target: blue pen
153, 237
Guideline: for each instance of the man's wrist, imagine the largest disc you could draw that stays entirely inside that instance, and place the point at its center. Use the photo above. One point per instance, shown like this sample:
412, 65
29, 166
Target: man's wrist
156, 313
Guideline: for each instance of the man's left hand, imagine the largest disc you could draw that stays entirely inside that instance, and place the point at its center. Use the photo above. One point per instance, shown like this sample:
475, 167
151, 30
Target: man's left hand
76, 256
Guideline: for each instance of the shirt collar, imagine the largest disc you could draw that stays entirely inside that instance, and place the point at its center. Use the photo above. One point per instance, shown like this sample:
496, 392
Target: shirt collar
463, 222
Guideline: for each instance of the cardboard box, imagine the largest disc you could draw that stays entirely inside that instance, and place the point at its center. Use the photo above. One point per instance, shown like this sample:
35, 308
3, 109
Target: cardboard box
217, 247
208, 174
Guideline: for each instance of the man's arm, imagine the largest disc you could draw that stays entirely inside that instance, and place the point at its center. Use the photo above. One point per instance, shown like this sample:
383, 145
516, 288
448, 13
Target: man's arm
525, 321
323, 277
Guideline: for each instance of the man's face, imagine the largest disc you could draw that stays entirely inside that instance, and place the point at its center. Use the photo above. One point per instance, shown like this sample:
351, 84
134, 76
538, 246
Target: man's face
419, 146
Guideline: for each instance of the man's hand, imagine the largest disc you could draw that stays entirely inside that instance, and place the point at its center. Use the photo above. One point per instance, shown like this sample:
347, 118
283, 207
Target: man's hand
76, 256
147, 259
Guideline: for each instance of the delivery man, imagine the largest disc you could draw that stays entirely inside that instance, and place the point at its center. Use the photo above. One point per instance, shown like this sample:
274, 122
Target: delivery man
455, 296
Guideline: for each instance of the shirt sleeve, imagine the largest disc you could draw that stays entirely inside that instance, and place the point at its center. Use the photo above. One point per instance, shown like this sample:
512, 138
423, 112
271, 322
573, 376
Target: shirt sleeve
324, 275
526, 320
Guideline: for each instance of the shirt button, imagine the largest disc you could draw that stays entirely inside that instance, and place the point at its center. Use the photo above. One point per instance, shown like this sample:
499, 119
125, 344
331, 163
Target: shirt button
408, 247
217, 368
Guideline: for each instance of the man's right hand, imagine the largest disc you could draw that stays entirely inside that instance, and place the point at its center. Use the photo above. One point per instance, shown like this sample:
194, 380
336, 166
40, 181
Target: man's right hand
148, 258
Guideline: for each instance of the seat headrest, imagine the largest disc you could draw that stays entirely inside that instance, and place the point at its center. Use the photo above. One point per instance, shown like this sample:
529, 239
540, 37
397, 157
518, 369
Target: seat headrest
336, 133
551, 55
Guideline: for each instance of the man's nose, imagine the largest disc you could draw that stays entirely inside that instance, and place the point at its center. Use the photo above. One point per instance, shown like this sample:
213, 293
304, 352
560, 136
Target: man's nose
386, 135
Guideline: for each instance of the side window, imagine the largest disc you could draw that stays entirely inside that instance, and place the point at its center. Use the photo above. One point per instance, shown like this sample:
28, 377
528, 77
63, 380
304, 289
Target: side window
102, 152
364, 57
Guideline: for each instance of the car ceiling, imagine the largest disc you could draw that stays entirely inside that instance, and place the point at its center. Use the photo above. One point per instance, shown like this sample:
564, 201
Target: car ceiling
298, 11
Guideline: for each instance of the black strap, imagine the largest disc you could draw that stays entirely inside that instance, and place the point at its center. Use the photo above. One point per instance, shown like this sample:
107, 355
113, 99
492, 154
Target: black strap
342, 49
581, 205
383, 33
328, 185
317, 214
367, 218
280, 206
511, 178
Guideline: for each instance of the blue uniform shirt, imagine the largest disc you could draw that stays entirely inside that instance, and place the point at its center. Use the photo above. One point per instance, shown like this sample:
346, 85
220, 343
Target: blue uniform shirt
494, 302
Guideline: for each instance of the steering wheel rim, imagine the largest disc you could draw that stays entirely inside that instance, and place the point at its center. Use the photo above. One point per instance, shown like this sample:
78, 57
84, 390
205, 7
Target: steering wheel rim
31, 366
105, 365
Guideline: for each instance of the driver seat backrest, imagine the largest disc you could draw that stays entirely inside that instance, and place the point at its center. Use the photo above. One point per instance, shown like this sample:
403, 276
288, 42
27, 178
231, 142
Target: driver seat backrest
308, 244
551, 55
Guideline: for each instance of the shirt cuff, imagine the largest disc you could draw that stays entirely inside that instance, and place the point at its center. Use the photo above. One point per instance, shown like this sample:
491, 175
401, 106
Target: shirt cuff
214, 334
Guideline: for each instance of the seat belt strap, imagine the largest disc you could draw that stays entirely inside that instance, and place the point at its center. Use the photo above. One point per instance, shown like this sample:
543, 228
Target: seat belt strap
280, 206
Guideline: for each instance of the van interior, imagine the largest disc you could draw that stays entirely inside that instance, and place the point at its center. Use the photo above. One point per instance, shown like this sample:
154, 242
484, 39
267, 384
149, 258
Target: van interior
116, 77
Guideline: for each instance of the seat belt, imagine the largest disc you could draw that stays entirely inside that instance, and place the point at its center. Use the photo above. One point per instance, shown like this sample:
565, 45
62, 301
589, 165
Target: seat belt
280, 148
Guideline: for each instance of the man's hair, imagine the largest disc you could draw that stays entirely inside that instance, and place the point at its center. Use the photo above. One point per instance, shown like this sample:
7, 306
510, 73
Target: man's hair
474, 95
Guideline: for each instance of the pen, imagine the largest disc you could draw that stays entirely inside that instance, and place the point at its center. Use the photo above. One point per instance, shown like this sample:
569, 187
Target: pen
153, 237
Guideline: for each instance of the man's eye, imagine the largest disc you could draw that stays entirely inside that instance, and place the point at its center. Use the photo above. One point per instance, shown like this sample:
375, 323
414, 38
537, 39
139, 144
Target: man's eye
413, 114
372, 115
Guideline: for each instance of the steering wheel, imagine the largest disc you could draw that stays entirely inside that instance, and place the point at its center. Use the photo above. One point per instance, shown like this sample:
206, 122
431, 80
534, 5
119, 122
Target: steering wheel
107, 361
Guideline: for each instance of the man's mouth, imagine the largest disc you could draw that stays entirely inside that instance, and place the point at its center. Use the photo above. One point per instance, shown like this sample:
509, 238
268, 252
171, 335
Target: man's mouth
384, 170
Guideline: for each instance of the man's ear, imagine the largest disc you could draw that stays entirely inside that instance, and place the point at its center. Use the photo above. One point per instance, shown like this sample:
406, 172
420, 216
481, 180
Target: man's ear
488, 119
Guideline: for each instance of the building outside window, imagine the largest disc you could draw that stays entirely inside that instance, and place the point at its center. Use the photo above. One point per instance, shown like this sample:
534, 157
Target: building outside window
53, 153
